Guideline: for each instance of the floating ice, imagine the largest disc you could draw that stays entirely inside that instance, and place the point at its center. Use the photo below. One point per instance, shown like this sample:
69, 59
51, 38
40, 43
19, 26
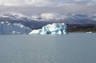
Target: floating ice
53, 29
89, 32
13, 28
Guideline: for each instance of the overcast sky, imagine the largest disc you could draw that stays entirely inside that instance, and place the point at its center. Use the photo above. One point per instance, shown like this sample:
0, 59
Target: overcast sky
42, 2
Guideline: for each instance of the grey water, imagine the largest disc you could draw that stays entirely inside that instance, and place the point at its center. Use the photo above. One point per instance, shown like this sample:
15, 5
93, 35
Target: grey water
69, 48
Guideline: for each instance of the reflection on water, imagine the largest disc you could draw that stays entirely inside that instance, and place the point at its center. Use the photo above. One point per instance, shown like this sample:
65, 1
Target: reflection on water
70, 48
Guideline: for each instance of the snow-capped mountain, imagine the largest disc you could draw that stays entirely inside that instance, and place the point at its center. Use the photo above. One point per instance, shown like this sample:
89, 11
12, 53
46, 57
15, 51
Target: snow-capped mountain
48, 16
22, 19
13, 16
38, 21
67, 19
53, 29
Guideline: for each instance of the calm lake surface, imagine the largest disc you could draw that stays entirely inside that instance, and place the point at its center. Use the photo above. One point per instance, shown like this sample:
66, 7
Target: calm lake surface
69, 48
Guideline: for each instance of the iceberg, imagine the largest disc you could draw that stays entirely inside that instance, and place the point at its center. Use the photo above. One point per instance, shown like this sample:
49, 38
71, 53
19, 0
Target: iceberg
52, 29
13, 28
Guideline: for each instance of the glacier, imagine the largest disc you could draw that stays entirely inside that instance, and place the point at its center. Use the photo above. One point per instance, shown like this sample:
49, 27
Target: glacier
51, 29
13, 28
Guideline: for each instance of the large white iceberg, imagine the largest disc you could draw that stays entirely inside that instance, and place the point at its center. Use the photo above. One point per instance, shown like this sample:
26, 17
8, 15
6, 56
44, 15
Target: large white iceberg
53, 29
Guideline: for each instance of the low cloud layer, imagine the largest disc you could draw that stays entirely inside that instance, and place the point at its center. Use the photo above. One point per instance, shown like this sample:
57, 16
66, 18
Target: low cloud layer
28, 2
43, 2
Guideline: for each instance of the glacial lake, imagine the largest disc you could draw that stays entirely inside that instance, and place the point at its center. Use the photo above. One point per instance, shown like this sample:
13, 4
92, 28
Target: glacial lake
69, 48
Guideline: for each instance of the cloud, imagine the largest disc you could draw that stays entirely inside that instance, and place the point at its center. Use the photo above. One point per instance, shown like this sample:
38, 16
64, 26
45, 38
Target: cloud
44, 2
28, 2
79, 0
76, 3
11, 2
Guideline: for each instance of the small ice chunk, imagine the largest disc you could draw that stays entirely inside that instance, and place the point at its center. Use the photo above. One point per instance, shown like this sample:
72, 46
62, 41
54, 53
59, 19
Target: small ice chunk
8, 24
88, 32
2, 22
13, 32
35, 32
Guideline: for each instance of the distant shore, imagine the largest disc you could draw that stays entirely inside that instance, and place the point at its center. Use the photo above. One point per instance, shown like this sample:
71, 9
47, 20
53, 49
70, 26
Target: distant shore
81, 28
